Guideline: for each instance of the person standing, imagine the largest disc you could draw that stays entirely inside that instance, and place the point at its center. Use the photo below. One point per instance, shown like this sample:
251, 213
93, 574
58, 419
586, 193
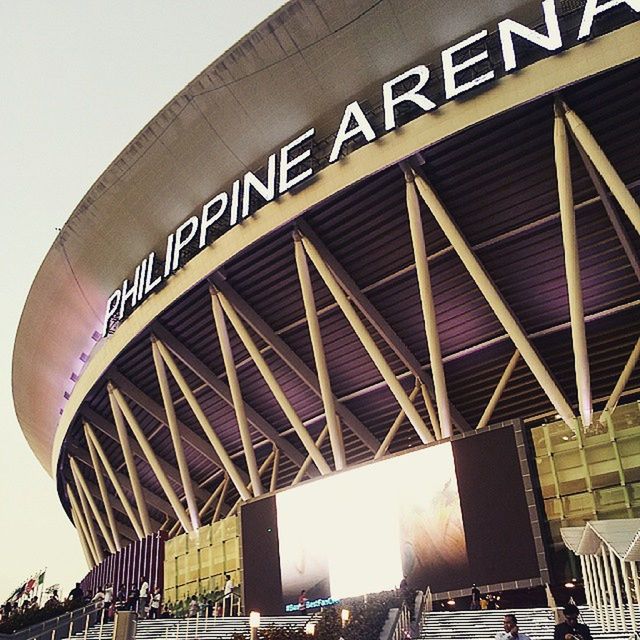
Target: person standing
143, 597
511, 631
302, 603
475, 598
154, 608
108, 602
132, 600
571, 629
227, 605
76, 595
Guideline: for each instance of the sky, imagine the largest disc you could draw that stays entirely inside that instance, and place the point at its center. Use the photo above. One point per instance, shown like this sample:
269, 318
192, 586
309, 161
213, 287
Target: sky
80, 78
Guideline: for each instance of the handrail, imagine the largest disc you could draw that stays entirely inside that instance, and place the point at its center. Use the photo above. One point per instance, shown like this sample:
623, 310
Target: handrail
50, 623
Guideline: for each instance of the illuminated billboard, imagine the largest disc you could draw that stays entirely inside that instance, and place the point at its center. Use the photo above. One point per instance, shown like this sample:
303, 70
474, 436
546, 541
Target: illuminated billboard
445, 515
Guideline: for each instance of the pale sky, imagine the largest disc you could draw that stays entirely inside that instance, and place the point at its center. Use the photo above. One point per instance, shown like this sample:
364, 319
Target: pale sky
79, 79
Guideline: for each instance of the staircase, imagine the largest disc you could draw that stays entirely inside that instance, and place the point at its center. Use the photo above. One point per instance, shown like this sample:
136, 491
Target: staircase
483, 625
192, 628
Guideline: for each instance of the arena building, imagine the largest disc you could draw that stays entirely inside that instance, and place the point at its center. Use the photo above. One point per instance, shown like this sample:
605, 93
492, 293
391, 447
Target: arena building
368, 228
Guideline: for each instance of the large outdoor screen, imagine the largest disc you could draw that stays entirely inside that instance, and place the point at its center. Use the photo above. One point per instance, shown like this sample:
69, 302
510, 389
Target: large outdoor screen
444, 515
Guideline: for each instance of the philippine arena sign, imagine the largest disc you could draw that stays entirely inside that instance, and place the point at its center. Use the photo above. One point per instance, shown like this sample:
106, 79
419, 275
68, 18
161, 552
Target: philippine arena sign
463, 67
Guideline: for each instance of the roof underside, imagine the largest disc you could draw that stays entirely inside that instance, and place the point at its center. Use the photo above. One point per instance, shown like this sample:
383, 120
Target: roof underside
498, 181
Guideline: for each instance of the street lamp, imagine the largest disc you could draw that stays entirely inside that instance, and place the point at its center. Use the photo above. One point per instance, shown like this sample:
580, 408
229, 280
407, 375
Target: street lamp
254, 625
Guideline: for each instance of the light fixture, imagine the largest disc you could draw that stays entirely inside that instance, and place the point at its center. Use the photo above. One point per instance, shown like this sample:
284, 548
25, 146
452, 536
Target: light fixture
310, 628
569, 585
254, 624
451, 602
345, 614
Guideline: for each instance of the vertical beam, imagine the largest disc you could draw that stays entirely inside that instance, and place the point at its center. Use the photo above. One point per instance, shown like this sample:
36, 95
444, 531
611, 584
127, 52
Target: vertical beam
604, 167
82, 511
292, 359
307, 462
499, 390
427, 304
618, 590
587, 581
133, 518
384, 447
627, 591
308, 299
225, 459
130, 463
609, 207
236, 394
83, 541
606, 619
83, 489
554, 470
368, 342
273, 485
152, 459
274, 386
613, 400
495, 300
176, 437
104, 493
597, 590
610, 592
572, 267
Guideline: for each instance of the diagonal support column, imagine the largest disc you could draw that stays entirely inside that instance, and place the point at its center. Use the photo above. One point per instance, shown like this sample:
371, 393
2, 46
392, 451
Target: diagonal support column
621, 383
274, 386
223, 495
212, 497
263, 467
391, 434
196, 365
225, 459
82, 512
104, 493
308, 299
83, 489
94, 442
431, 411
609, 207
371, 313
152, 459
292, 359
88, 554
572, 267
236, 394
368, 342
307, 462
495, 300
81, 527
603, 166
130, 463
273, 485
428, 306
499, 390
176, 436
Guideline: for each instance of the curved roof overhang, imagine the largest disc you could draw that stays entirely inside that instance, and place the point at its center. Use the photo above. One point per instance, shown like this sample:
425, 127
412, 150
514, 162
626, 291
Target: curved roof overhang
226, 120
181, 158
531, 83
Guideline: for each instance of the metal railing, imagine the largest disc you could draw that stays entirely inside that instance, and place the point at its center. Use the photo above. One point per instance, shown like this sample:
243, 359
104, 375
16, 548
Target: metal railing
62, 626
